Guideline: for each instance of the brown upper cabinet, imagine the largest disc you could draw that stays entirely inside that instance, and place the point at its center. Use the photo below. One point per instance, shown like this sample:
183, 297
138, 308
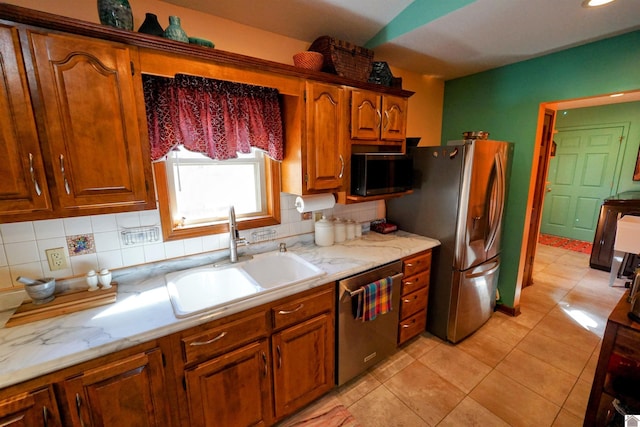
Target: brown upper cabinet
74, 132
23, 187
91, 155
378, 119
315, 156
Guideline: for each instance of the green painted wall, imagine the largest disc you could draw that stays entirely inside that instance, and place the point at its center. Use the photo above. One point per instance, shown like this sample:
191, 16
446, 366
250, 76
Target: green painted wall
627, 113
505, 101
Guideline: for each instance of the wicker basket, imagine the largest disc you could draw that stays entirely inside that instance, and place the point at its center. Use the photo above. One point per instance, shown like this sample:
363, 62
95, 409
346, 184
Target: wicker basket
343, 58
308, 60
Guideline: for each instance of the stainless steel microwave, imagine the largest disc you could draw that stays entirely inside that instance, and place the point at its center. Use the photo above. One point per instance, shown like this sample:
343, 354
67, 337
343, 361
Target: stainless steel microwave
374, 174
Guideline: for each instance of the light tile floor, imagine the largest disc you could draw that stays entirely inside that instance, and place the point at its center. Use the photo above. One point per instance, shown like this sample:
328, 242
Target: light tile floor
535, 369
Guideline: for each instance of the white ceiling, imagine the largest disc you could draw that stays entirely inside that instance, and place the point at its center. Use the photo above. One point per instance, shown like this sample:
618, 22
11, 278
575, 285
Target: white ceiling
482, 35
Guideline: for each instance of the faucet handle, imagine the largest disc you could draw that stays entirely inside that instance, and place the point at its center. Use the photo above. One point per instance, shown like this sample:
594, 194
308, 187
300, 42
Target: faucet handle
283, 247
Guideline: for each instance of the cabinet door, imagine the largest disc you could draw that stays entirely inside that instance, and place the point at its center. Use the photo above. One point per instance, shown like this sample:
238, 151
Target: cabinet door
125, 392
394, 118
325, 137
365, 115
92, 122
23, 187
303, 358
37, 408
231, 390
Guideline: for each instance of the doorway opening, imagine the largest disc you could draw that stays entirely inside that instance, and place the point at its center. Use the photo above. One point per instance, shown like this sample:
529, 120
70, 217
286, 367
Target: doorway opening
545, 136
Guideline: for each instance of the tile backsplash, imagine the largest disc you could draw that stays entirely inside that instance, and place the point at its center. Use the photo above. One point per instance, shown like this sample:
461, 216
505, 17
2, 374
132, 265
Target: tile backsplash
95, 242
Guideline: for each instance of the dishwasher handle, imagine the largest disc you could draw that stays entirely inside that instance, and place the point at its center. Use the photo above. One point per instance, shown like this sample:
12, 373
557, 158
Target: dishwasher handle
345, 291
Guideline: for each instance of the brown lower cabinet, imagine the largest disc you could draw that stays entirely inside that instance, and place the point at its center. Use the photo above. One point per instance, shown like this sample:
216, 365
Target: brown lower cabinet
414, 295
231, 390
248, 369
31, 408
129, 391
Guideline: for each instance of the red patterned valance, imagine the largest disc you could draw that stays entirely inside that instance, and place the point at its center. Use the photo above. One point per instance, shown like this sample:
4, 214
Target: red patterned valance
216, 118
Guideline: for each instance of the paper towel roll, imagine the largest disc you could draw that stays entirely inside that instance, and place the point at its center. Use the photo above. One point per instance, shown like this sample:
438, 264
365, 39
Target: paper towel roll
315, 202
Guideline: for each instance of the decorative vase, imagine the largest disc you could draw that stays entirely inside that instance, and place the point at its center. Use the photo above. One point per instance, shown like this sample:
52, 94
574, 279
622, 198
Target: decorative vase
151, 25
116, 13
174, 31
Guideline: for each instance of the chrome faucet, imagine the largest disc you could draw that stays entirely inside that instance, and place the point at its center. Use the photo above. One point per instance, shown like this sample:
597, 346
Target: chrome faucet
234, 236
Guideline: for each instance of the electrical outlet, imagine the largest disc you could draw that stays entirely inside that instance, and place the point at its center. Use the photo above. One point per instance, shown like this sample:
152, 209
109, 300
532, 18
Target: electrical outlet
56, 258
317, 216
305, 216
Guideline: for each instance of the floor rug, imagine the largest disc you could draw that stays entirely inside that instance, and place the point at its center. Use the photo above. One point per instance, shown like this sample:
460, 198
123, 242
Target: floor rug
563, 242
335, 416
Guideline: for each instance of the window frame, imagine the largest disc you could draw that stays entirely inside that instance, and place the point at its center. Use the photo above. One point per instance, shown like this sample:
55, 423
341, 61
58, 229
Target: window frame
171, 231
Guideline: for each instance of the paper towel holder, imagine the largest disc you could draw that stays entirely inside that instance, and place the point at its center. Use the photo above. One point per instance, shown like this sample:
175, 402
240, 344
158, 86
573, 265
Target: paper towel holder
310, 202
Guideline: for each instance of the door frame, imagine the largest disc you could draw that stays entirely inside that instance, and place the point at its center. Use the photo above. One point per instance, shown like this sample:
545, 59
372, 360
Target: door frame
545, 143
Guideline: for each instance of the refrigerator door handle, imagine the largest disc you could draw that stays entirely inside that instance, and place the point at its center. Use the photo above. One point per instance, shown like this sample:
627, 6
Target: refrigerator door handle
500, 196
496, 265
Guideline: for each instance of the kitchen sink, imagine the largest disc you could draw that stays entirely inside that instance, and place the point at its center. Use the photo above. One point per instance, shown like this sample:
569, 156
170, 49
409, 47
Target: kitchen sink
199, 289
276, 269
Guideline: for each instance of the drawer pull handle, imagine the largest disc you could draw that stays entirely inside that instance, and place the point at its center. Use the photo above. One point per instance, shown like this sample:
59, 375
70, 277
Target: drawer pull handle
33, 176
196, 343
407, 300
78, 409
298, 308
64, 176
264, 361
45, 416
279, 357
406, 326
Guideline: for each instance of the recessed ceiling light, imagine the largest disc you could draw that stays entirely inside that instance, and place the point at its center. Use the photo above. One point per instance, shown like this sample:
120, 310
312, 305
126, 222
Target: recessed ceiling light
595, 3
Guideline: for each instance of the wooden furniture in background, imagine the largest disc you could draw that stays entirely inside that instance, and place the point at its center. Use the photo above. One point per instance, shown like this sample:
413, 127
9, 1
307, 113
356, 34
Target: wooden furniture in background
627, 203
618, 371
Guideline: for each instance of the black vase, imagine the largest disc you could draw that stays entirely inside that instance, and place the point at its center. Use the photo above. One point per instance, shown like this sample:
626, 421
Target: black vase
151, 25
116, 13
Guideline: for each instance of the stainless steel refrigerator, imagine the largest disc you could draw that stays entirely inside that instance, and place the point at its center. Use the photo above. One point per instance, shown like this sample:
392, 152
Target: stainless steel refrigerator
458, 198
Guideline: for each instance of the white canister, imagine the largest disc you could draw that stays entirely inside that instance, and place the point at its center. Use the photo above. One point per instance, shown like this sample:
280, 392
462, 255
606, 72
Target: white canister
340, 232
351, 229
358, 230
324, 232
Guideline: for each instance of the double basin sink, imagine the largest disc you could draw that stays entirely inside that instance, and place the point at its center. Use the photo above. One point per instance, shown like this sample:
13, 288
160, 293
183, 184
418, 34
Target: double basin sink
205, 288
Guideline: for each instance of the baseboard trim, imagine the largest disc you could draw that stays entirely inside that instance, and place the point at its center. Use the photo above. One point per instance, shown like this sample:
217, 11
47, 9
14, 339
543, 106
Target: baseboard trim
511, 311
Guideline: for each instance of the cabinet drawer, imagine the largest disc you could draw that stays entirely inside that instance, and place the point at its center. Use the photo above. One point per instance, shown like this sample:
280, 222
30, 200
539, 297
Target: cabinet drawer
417, 263
413, 283
412, 326
302, 308
223, 337
414, 302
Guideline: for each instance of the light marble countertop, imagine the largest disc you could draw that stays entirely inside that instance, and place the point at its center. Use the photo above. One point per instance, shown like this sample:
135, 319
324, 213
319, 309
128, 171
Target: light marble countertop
143, 310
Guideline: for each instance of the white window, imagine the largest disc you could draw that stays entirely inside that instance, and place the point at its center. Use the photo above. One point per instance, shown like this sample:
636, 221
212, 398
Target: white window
195, 192
201, 189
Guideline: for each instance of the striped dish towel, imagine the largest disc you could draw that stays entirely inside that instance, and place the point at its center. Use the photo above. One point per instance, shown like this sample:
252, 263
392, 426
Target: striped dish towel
375, 299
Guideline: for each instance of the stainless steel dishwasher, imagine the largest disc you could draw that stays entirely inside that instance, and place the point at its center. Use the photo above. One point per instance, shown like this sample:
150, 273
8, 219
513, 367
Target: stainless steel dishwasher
363, 344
